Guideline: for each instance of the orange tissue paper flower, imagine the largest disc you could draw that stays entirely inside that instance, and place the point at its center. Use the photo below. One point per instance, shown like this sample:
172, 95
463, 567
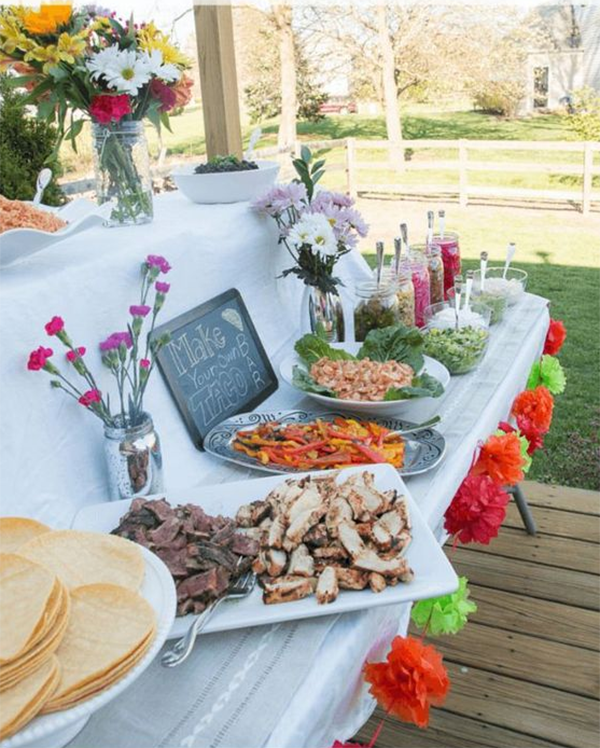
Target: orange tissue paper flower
536, 406
501, 459
411, 680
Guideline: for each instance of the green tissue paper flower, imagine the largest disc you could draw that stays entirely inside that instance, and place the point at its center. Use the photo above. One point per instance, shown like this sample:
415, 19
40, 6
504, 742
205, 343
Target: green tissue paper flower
548, 372
446, 614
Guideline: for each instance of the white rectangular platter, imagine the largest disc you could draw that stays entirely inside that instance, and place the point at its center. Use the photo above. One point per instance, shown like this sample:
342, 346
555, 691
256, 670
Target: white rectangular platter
433, 573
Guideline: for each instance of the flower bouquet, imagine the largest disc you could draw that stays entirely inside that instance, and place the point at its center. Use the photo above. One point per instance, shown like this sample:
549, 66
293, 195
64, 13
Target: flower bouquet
317, 228
86, 63
132, 445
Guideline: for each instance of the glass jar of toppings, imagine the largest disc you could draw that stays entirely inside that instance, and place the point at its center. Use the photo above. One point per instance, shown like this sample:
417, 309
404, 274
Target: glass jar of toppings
450, 249
405, 293
419, 269
436, 273
376, 307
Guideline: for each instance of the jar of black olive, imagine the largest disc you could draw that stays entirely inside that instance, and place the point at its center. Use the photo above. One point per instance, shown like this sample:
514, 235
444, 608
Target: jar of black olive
376, 307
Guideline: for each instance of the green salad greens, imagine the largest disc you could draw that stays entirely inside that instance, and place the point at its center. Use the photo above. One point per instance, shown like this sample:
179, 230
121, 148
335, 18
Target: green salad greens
459, 350
398, 343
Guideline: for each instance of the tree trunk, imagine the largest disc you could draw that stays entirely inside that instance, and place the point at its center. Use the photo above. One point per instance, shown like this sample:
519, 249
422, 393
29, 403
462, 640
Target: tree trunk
287, 124
390, 94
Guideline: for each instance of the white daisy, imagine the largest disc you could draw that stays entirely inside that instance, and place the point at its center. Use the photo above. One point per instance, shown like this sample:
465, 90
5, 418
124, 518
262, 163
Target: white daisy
99, 62
163, 70
315, 231
127, 72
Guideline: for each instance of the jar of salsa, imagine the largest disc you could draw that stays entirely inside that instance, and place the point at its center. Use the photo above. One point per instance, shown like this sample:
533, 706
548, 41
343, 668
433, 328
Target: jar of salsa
436, 273
450, 250
376, 307
419, 270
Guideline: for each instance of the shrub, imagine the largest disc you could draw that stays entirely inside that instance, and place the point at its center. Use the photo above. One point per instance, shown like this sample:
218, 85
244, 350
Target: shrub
499, 97
584, 117
26, 146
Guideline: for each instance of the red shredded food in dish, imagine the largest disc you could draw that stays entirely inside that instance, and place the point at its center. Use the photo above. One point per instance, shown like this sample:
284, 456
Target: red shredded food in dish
16, 214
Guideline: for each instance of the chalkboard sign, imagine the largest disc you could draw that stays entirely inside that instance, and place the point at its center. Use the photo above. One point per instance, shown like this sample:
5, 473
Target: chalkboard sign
215, 364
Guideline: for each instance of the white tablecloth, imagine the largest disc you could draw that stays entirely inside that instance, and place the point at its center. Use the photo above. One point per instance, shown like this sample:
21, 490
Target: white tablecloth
51, 461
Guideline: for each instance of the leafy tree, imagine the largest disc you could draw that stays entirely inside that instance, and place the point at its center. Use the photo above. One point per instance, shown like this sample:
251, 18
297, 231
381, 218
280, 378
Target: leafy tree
584, 117
26, 144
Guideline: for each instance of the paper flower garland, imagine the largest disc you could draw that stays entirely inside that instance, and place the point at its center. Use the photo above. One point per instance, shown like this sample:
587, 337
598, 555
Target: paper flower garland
535, 406
500, 458
548, 372
411, 680
446, 614
506, 428
477, 510
555, 337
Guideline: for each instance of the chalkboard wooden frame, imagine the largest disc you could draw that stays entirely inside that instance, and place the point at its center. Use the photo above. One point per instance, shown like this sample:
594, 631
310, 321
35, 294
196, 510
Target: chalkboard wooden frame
197, 313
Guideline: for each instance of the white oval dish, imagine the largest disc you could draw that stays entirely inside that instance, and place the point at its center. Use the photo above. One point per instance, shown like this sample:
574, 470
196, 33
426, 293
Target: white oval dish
433, 367
227, 186
56, 729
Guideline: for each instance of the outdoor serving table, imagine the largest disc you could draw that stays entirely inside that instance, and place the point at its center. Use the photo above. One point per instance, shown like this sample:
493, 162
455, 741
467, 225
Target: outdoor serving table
293, 684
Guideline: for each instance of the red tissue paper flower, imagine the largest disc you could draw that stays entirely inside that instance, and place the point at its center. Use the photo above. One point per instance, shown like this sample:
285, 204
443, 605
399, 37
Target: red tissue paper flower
477, 510
555, 337
106, 108
411, 680
535, 405
501, 459
534, 436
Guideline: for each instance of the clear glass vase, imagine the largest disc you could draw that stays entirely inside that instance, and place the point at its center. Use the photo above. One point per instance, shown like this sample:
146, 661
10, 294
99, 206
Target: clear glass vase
134, 459
322, 313
122, 166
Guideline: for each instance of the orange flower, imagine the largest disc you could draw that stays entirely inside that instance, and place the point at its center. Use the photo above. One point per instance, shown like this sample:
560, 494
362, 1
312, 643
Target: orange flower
412, 679
536, 406
48, 19
501, 459
183, 91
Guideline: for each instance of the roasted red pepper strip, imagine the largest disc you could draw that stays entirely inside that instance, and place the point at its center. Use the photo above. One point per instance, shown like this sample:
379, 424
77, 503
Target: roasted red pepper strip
370, 453
306, 448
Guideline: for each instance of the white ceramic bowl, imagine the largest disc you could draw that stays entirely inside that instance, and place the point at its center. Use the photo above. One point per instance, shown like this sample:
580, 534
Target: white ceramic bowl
56, 729
228, 186
374, 409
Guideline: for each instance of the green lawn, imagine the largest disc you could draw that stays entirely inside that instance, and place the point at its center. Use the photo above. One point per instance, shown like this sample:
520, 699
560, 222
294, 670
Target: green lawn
571, 455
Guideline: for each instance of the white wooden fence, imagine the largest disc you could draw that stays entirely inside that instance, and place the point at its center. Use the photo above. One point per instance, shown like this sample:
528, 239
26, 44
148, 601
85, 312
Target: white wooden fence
463, 164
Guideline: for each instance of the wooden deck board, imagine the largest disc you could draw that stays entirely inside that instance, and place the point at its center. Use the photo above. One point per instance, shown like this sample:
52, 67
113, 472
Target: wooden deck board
525, 672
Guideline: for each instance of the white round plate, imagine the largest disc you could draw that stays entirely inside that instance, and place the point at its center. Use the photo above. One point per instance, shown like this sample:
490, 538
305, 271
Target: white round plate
432, 367
56, 729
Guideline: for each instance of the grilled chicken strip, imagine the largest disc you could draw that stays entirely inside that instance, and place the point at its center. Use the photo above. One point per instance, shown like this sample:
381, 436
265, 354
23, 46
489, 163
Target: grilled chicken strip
366, 558
377, 582
351, 579
339, 511
327, 586
302, 563
287, 589
275, 562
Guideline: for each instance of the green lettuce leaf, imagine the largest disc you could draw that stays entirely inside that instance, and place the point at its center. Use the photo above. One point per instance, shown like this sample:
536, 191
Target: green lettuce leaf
398, 343
303, 381
311, 348
423, 385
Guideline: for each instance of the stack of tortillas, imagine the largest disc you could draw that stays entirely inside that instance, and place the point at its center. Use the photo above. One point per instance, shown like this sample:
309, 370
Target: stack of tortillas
71, 618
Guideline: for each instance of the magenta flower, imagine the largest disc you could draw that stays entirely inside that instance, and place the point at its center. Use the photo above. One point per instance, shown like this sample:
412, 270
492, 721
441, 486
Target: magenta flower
55, 326
139, 310
38, 358
158, 261
89, 397
77, 353
162, 287
145, 363
113, 341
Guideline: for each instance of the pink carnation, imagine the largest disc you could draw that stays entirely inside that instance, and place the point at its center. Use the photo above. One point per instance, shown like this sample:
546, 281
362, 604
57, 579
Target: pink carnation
55, 325
164, 94
114, 341
89, 397
38, 358
145, 363
140, 310
159, 262
106, 108
77, 353
162, 287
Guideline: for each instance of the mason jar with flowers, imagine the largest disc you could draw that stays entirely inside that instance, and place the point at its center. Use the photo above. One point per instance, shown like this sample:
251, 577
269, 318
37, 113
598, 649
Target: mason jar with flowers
132, 445
317, 228
86, 63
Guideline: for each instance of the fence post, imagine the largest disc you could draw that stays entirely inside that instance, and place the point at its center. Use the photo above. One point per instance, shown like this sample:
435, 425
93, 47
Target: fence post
462, 174
350, 172
588, 161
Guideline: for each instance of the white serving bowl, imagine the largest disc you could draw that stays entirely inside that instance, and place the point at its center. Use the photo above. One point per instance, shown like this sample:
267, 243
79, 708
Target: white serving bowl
374, 409
56, 729
227, 186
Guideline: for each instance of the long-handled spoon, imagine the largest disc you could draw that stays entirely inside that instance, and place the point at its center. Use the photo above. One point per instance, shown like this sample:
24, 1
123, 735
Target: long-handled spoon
483, 261
254, 137
430, 220
469, 285
380, 249
397, 254
510, 253
43, 180
457, 295
404, 234
417, 427
442, 217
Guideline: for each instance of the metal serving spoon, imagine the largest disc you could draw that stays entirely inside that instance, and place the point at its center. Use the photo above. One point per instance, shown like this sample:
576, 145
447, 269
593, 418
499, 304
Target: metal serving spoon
417, 427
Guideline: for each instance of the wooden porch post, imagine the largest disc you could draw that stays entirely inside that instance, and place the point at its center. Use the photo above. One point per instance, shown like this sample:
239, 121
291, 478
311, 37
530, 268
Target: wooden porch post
218, 81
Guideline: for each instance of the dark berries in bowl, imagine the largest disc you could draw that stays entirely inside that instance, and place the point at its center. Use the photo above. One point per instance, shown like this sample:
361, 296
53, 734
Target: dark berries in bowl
220, 164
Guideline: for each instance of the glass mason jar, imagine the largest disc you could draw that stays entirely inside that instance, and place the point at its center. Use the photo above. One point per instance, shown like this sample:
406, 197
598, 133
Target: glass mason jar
436, 273
450, 247
134, 459
405, 293
419, 269
376, 307
122, 167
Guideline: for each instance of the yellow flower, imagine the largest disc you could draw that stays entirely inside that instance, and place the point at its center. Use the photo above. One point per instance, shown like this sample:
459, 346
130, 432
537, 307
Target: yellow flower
99, 23
70, 47
49, 55
150, 38
11, 33
49, 17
